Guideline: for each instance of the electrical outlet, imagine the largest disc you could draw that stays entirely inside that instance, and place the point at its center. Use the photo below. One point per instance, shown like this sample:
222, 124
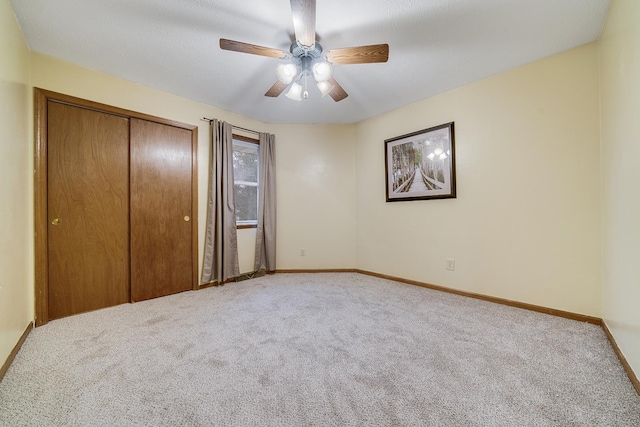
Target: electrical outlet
451, 264
302, 252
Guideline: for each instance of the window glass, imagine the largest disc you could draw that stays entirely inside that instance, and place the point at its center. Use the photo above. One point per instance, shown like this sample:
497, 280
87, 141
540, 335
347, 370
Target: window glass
245, 175
245, 164
246, 204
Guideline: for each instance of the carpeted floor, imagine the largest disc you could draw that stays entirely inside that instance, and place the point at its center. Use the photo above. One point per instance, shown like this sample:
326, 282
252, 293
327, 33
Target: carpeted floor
317, 349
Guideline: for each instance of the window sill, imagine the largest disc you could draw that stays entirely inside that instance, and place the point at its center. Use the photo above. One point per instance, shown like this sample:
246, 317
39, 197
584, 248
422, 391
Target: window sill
240, 227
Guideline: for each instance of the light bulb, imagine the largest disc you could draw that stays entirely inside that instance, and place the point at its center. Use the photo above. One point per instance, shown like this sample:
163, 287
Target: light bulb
325, 88
286, 72
321, 71
295, 92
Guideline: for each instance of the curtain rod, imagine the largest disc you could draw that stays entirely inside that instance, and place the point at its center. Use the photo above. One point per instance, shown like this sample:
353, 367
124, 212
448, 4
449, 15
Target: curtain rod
235, 127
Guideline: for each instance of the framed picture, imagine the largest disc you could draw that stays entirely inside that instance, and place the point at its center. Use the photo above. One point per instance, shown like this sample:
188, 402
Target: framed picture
421, 165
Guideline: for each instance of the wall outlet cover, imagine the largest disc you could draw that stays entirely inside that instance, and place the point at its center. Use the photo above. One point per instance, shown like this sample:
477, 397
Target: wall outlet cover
451, 264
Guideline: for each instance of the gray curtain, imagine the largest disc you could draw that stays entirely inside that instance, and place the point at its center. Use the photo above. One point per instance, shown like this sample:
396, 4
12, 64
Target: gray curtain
221, 240
266, 231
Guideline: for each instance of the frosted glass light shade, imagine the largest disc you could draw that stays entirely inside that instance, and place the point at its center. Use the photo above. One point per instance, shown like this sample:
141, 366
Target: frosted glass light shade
286, 72
295, 92
325, 88
321, 71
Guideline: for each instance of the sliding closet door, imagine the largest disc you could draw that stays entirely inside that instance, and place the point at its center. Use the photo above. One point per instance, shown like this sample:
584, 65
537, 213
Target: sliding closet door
88, 209
161, 200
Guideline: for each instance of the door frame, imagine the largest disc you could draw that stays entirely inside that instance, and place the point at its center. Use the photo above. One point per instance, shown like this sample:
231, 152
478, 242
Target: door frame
41, 252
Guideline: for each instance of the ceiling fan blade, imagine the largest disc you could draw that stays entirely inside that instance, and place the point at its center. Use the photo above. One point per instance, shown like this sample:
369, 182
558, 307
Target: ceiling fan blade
276, 89
304, 21
359, 55
337, 93
251, 48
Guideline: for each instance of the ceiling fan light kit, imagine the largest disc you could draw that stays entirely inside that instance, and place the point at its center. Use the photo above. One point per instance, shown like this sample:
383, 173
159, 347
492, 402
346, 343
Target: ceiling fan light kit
309, 62
306, 58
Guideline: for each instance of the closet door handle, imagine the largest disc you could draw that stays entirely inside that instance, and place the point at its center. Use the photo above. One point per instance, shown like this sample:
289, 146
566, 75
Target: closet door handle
187, 219
56, 221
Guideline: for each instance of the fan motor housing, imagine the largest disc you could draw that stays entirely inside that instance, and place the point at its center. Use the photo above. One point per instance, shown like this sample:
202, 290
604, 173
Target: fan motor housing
300, 51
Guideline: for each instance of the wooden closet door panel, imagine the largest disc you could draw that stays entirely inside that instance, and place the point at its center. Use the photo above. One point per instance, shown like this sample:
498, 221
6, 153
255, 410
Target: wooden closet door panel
161, 257
88, 209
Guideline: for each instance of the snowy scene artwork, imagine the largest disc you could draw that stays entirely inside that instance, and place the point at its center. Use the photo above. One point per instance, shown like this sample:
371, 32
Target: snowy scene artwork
421, 165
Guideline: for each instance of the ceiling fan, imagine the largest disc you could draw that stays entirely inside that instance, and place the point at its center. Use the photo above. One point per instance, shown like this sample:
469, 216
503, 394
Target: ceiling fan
307, 59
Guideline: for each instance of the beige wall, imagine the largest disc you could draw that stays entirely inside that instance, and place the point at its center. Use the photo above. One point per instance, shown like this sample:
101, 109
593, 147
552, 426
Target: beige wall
525, 224
620, 93
316, 199
316, 196
16, 236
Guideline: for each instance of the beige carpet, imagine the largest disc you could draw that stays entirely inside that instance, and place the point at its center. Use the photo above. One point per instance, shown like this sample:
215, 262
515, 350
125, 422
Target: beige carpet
317, 349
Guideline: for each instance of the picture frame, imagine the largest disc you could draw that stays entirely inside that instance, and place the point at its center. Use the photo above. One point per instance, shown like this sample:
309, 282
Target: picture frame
421, 165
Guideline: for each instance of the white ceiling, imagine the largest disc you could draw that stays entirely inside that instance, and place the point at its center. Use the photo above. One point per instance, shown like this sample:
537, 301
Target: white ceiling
434, 45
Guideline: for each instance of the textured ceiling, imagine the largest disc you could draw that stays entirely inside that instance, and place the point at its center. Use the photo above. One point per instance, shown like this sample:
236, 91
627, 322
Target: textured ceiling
435, 46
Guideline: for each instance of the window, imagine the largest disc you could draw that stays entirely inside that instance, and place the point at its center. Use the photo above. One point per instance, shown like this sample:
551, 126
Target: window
245, 180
